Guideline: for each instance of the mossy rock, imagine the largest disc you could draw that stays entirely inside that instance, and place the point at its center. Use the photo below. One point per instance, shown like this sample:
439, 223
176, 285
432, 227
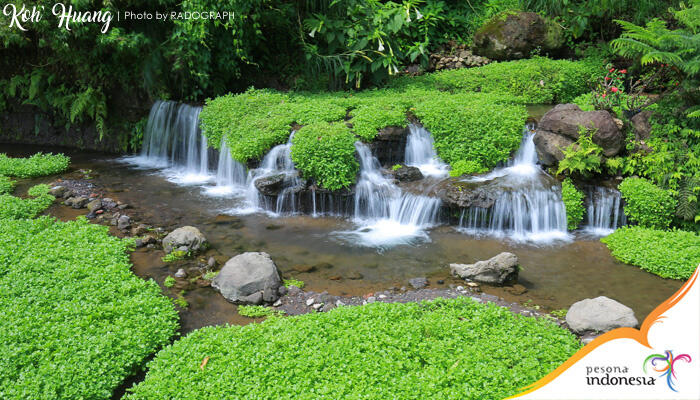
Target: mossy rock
513, 35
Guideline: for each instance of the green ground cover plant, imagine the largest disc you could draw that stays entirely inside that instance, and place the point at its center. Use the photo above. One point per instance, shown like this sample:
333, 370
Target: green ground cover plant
669, 254
294, 282
12, 207
647, 204
258, 311
37, 165
74, 320
7, 185
573, 203
379, 351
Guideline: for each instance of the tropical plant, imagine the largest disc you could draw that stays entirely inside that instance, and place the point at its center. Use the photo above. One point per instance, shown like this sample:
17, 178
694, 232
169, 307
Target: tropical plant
646, 204
573, 203
583, 157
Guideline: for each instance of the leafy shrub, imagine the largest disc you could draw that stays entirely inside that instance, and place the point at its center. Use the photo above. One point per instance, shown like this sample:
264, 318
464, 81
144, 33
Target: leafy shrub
74, 320
669, 254
12, 207
379, 351
573, 203
258, 311
646, 204
583, 157
326, 153
37, 165
175, 255
294, 282
7, 185
169, 281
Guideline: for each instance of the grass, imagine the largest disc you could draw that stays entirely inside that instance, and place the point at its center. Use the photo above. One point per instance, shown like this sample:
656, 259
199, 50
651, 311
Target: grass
669, 254
74, 320
447, 349
294, 282
258, 311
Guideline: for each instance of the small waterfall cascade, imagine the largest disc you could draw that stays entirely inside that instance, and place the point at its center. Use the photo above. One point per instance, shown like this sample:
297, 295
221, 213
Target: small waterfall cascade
230, 174
173, 140
529, 205
386, 215
604, 211
277, 165
420, 153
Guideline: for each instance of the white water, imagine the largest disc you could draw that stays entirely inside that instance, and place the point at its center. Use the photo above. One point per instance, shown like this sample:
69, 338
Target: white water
603, 211
529, 207
420, 153
385, 215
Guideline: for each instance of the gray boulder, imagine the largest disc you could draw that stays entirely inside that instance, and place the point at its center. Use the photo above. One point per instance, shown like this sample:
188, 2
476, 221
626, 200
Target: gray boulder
124, 222
498, 270
418, 283
408, 174
58, 191
549, 147
270, 185
246, 275
513, 35
79, 202
642, 125
567, 119
600, 315
94, 205
187, 236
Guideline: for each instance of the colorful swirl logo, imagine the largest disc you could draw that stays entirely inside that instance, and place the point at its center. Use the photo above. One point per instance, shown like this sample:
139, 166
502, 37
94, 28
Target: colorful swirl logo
666, 366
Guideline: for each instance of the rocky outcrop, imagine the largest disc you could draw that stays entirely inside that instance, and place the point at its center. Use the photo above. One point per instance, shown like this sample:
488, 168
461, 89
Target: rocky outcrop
273, 185
641, 125
455, 58
408, 174
249, 278
389, 145
561, 125
457, 194
600, 315
186, 238
499, 270
514, 35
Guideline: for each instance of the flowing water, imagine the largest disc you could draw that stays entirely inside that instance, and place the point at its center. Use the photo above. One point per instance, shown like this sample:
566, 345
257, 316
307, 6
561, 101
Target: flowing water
529, 206
604, 211
420, 152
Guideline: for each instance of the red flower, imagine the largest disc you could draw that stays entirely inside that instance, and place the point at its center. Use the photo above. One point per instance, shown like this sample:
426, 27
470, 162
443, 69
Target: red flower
607, 78
603, 94
614, 89
623, 71
611, 70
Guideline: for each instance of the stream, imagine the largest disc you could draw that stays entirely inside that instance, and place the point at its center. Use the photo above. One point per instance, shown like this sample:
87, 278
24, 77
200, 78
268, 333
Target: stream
378, 238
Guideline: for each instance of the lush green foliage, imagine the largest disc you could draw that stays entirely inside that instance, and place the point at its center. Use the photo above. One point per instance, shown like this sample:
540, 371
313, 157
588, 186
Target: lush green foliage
7, 185
669, 254
583, 157
294, 282
74, 320
37, 165
379, 351
12, 207
538, 80
327, 154
646, 204
175, 255
169, 281
258, 311
573, 203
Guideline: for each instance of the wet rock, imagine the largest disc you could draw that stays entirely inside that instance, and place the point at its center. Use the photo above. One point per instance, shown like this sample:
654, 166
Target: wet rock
498, 270
327, 307
317, 306
139, 230
408, 174
517, 289
282, 290
304, 268
514, 35
440, 282
246, 274
567, 119
549, 147
270, 294
138, 243
293, 290
108, 203
389, 144
310, 301
79, 202
94, 205
188, 237
457, 194
181, 273
150, 239
211, 262
270, 185
418, 283
254, 298
123, 206
58, 191
124, 222
354, 275
599, 315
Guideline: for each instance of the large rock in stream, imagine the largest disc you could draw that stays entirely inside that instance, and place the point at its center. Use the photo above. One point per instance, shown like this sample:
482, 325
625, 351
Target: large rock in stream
600, 315
560, 127
185, 237
248, 278
499, 270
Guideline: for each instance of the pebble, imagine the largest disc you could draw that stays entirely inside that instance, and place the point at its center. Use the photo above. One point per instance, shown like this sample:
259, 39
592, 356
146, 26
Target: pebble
460, 288
317, 306
309, 301
339, 303
211, 263
471, 284
277, 303
371, 299
383, 296
181, 273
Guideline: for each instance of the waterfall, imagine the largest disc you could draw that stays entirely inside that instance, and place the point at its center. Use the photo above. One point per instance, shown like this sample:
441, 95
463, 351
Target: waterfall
386, 216
230, 174
420, 152
529, 206
603, 211
174, 141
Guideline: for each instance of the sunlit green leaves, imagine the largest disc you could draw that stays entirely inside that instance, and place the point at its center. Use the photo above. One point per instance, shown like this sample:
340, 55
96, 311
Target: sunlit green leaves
37, 165
646, 204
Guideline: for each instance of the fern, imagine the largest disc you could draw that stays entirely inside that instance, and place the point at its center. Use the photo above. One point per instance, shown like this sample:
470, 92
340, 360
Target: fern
687, 207
80, 104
